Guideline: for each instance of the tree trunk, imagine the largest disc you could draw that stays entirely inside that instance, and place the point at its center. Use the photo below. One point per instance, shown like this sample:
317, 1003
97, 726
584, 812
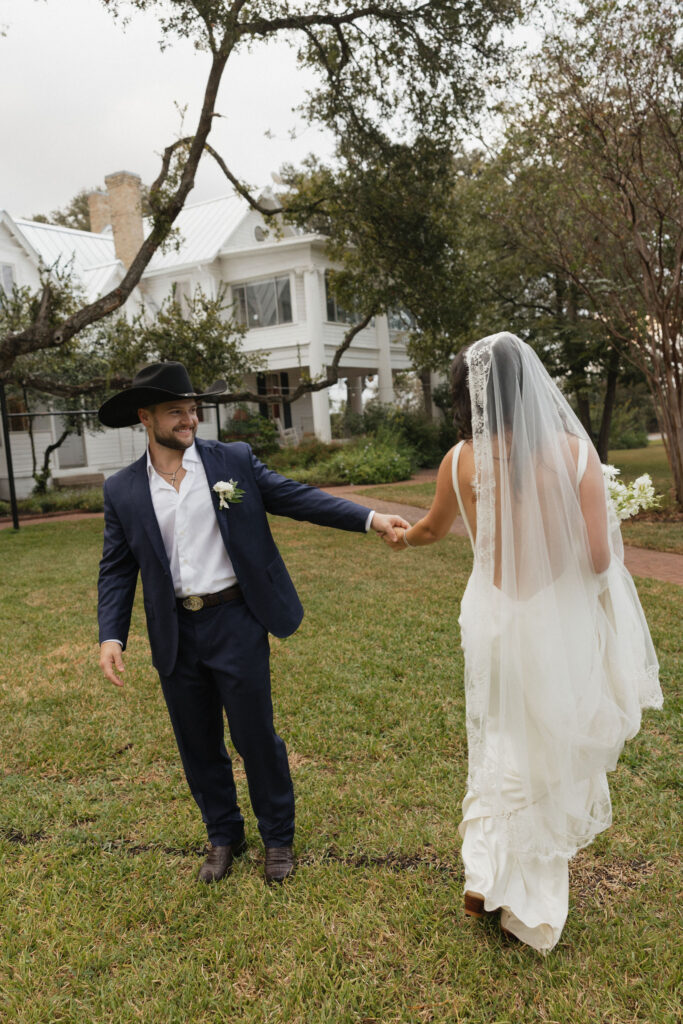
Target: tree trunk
608, 405
42, 478
426, 382
31, 438
583, 409
670, 420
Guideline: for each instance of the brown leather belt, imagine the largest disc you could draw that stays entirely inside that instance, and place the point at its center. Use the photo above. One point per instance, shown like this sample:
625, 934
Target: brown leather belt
195, 602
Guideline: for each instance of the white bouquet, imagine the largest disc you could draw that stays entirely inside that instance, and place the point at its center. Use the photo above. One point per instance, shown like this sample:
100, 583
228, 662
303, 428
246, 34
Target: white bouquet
627, 499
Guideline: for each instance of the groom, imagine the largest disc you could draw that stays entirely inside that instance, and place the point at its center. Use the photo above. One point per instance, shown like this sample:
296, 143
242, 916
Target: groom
214, 586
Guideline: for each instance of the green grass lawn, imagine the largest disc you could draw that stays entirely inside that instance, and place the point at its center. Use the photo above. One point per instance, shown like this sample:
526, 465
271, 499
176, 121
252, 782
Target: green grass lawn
660, 536
102, 920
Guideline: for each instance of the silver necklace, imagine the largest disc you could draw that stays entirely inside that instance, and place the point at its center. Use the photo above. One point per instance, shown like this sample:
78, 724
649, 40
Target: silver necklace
172, 475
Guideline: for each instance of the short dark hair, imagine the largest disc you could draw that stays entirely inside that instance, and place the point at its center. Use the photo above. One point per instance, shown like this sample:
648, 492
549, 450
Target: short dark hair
460, 396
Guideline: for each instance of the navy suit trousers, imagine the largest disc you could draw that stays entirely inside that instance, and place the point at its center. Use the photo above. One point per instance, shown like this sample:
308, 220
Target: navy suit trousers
224, 664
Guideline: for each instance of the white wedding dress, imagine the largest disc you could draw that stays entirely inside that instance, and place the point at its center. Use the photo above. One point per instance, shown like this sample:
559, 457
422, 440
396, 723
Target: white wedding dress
558, 659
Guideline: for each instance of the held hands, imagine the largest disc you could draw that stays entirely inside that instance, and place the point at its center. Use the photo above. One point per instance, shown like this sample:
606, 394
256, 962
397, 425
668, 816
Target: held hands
399, 544
389, 527
111, 659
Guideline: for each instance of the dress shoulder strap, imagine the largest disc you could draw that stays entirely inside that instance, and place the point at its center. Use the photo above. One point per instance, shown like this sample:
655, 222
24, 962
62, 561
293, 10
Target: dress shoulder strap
456, 487
582, 460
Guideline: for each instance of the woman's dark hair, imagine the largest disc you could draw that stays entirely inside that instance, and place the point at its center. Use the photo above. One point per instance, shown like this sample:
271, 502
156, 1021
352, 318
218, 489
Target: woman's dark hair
460, 396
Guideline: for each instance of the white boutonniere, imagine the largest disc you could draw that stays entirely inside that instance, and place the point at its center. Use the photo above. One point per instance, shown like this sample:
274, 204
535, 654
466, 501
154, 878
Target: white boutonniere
228, 491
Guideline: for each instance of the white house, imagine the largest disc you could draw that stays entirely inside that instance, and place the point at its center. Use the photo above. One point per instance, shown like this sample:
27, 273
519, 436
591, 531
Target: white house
278, 286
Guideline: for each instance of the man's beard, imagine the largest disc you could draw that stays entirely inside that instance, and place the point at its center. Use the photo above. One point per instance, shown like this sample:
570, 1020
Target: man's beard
171, 441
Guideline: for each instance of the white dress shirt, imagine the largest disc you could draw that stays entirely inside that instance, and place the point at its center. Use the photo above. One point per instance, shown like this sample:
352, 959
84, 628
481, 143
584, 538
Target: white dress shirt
189, 529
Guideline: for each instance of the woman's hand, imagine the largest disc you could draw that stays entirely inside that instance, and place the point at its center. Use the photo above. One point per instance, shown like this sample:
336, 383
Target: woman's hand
398, 544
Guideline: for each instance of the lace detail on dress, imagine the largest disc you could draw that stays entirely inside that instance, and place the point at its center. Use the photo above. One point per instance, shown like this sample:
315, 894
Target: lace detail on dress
479, 365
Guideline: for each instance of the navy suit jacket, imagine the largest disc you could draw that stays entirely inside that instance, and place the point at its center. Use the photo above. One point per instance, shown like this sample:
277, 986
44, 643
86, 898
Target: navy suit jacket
133, 544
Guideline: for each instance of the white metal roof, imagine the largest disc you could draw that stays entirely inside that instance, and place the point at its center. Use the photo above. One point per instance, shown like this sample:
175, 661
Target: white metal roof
203, 230
57, 243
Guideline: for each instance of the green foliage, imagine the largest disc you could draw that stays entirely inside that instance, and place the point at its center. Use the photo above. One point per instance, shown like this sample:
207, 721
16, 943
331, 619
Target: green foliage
629, 429
198, 331
77, 499
258, 431
392, 226
367, 461
428, 440
375, 459
20, 308
302, 456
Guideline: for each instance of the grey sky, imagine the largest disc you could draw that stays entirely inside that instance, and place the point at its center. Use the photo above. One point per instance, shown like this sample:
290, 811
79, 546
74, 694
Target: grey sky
83, 97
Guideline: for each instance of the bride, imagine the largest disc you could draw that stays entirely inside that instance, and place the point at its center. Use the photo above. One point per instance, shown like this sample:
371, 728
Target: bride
558, 656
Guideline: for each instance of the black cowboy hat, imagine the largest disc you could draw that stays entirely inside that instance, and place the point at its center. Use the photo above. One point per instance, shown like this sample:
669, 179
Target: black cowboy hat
158, 382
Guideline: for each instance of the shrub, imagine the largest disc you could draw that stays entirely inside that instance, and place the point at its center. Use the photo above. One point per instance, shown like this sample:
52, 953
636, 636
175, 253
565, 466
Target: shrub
256, 430
628, 428
366, 461
429, 440
84, 499
347, 423
302, 456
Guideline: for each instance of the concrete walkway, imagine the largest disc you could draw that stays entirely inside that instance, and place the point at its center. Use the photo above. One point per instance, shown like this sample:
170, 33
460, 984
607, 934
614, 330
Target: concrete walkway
658, 565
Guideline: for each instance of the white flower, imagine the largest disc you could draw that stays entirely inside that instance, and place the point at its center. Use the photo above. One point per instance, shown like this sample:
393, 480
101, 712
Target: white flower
228, 491
628, 499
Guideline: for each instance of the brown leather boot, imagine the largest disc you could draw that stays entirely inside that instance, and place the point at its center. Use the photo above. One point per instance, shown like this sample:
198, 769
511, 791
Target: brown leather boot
279, 863
219, 860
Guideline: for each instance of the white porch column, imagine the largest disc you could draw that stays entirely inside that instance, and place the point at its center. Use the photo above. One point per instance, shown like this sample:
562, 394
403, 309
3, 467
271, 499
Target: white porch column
320, 401
385, 380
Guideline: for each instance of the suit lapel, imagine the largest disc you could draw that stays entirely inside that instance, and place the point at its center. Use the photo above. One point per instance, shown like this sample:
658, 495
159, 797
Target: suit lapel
214, 467
142, 502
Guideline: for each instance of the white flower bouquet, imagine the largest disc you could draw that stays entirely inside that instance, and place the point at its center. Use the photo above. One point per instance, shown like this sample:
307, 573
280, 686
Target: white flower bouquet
628, 499
228, 491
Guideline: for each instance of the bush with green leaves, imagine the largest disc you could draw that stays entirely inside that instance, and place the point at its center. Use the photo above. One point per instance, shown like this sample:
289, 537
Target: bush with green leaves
629, 428
310, 452
429, 440
256, 430
369, 460
82, 499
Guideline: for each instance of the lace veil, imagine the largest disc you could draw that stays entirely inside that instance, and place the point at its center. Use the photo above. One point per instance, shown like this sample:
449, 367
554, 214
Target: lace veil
559, 659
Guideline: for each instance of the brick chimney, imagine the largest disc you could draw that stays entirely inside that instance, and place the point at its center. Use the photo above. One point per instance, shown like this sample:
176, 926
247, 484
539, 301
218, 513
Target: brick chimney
98, 211
125, 204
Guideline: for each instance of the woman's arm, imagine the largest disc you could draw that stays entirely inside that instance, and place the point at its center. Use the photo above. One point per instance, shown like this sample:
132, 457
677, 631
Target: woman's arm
594, 509
438, 521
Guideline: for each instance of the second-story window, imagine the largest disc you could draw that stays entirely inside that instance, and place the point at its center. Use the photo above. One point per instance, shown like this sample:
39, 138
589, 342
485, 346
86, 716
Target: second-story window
336, 314
263, 303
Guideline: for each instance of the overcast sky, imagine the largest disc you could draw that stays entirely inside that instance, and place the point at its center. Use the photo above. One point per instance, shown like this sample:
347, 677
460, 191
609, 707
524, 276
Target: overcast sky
83, 97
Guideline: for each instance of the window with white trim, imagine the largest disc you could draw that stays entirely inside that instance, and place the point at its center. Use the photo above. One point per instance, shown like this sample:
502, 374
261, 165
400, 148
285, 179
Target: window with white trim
6, 279
263, 303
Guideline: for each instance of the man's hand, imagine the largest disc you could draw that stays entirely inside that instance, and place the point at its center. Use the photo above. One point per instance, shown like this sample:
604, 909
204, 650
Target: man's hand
398, 544
110, 659
384, 525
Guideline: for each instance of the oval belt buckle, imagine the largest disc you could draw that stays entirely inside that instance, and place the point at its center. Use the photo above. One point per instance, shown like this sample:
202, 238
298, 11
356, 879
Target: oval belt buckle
193, 603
